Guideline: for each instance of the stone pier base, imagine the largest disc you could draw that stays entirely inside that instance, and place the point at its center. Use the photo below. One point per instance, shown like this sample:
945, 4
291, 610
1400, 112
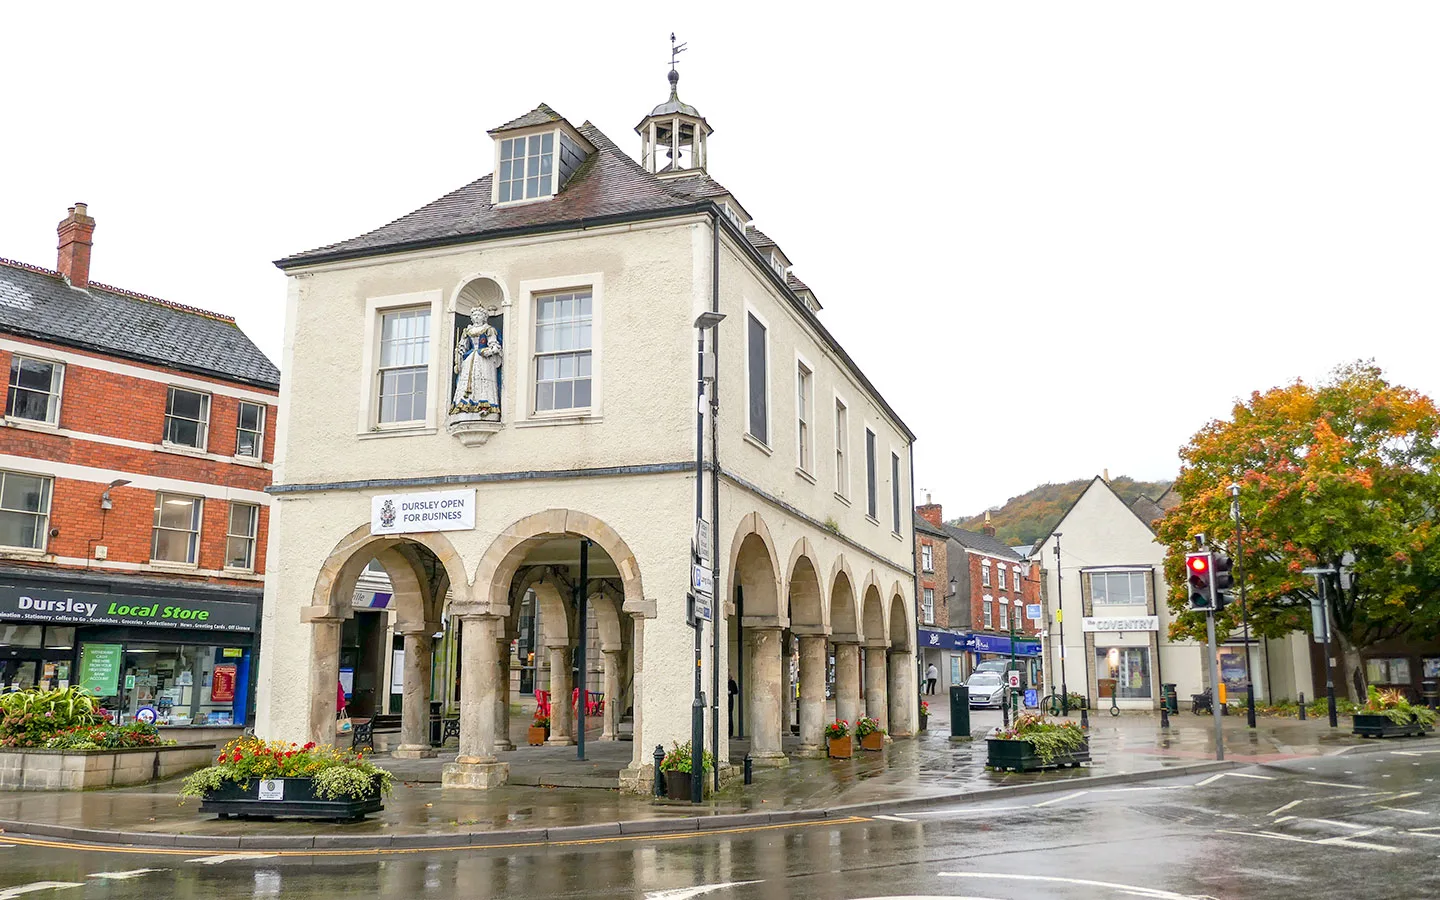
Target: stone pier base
475, 776
407, 751
769, 760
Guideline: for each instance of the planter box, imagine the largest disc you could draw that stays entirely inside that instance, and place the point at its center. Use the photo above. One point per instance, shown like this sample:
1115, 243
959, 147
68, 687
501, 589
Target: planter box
39, 769
296, 797
536, 737
873, 741
1379, 726
677, 785
924, 723
1020, 756
841, 748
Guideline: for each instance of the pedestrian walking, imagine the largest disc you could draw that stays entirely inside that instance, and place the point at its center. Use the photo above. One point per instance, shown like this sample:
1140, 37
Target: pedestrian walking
932, 676
733, 689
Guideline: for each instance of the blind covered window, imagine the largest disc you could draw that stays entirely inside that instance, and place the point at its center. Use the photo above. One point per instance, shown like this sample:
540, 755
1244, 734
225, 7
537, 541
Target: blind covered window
759, 399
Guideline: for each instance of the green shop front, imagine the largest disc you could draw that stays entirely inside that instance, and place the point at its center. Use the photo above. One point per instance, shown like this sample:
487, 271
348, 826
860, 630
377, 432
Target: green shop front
161, 652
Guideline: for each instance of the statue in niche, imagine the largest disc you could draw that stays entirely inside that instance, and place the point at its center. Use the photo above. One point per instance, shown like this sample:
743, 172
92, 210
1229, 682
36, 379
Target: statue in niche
478, 357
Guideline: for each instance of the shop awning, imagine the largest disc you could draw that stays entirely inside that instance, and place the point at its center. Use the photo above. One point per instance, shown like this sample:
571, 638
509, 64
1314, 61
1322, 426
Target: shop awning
990, 643
939, 640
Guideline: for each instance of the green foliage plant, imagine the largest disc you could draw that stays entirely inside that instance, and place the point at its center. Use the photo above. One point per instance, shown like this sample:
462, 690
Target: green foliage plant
30, 718
108, 737
1049, 739
867, 726
335, 773
1393, 705
837, 729
680, 759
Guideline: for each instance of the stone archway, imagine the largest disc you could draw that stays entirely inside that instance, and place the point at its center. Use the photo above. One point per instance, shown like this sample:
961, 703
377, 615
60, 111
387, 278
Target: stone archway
873, 622
902, 689
761, 616
845, 635
806, 596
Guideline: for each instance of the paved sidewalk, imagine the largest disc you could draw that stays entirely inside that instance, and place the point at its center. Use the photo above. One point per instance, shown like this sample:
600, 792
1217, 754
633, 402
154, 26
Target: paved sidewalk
910, 771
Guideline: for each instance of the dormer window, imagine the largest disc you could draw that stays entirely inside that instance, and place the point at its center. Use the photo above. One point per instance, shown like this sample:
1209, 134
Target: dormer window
527, 166
777, 264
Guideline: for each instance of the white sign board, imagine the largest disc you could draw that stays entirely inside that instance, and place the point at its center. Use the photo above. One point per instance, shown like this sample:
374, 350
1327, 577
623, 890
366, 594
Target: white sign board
704, 537
430, 511
1014, 678
1032, 612
272, 789
702, 581
1119, 623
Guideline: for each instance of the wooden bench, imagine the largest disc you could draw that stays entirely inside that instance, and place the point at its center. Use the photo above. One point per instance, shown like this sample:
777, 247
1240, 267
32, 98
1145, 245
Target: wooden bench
363, 732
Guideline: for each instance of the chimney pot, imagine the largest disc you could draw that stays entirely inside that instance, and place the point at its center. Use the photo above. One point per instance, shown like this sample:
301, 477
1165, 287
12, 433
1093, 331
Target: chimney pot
77, 232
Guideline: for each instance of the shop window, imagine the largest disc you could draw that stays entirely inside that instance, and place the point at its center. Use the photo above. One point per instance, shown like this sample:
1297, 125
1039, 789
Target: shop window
1388, 670
20, 635
250, 430
24, 510
187, 418
1129, 666
240, 538
34, 390
177, 529
179, 682
1117, 588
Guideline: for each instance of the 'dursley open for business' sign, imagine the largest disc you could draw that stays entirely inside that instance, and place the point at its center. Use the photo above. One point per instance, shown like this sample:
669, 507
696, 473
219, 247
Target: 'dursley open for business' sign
31, 604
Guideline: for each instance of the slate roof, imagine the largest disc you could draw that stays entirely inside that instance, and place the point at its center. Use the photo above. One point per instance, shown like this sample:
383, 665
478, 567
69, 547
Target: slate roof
540, 115
699, 185
38, 303
979, 540
923, 524
1148, 510
759, 239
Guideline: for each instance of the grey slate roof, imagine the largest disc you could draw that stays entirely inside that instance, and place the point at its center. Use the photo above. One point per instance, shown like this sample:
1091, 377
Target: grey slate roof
979, 540
37, 303
699, 185
1148, 510
540, 115
923, 524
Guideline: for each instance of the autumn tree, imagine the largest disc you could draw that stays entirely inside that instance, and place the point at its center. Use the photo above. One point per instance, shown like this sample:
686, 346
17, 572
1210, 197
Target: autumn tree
1343, 474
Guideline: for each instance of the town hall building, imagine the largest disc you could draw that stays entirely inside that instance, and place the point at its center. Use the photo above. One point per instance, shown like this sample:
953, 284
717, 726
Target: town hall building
494, 400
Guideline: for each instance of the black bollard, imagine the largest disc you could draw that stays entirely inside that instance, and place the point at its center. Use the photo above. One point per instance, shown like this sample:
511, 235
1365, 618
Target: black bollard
659, 775
1164, 716
1302, 707
1085, 719
749, 769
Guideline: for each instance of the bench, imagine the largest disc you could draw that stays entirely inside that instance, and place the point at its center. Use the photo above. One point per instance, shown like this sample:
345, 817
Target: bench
363, 732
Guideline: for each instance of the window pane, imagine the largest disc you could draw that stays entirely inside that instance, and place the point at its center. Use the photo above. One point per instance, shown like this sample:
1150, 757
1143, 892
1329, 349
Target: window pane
35, 375
545, 396
759, 399
237, 553
245, 444
250, 416
183, 432
174, 546
564, 391
582, 393
184, 403
25, 493
242, 519
21, 530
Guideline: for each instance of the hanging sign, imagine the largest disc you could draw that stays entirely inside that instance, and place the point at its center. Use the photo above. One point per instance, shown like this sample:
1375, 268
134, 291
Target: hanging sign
430, 511
1032, 612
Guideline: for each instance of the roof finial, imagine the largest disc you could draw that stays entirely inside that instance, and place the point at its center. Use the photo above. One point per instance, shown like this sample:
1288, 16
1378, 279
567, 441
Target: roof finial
675, 51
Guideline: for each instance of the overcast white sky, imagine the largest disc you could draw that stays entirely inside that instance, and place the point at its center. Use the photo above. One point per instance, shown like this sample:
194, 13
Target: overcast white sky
1015, 214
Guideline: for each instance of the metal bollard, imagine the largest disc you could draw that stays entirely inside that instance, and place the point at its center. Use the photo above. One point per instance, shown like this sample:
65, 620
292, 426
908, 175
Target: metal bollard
749, 769
1164, 716
1085, 719
659, 775
1302, 707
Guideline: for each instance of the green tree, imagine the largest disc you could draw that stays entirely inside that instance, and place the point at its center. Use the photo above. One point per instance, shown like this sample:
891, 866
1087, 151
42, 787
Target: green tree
1340, 474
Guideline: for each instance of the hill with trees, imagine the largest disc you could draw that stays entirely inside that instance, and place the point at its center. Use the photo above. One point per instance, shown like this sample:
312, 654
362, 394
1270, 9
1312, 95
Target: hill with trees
1030, 516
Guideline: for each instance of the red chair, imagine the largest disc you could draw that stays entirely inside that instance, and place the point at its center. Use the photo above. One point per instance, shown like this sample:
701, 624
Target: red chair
594, 703
542, 703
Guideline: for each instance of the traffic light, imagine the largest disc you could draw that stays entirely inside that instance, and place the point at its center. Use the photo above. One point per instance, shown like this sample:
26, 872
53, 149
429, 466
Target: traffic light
1222, 578
1198, 567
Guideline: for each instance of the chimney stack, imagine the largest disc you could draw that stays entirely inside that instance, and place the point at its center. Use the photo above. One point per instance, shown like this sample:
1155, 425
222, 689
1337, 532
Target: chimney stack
987, 527
76, 233
930, 512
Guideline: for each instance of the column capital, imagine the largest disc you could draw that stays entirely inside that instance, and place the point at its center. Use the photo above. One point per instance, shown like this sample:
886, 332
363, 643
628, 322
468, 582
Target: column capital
806, 631
322, 615
408, 629
876, 644
841, 637
765, 623
472, 610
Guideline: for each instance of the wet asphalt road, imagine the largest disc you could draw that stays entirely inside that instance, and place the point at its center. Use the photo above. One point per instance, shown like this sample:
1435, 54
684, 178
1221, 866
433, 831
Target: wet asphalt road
1360, 826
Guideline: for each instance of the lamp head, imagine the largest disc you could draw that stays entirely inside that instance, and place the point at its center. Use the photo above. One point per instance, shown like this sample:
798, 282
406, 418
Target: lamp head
708, 319
105, 497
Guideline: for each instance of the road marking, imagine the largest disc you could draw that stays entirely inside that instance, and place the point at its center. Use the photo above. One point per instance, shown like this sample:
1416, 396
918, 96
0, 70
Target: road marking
1060, 799
1416, 812
1427, 828
123, 876
1344, 840
11, 893
1337, 824
1154, 893
1391, 798
1420, 832
687, 893
230, 857
1353, 787
893, 819
1160, 787
1281, 809
967, 810
1219, 775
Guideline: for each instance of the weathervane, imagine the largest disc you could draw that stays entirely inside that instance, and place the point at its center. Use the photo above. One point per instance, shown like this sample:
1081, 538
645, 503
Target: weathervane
675, 50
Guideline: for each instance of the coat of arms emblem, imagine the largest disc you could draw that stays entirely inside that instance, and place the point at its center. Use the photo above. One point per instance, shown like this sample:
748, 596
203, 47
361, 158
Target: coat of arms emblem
387, 513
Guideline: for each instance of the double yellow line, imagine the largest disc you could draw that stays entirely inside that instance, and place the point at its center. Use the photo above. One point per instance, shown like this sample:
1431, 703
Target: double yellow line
241, 852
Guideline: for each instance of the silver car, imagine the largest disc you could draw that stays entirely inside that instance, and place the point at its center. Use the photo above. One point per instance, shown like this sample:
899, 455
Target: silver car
987, 689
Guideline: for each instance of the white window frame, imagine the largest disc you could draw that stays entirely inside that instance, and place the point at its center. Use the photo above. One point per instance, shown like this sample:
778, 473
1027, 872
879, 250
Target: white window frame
44, 525
202, 432
985, 573
1004, 614
872, 514
56, 393
1129, 574
927, 606
896, 471
927, 557
988, 605
1000, 570
843, 463
259, 434
536, 355
804, 423
156, 528
252, 537
526, 134
521, 339
769, 369
368, 418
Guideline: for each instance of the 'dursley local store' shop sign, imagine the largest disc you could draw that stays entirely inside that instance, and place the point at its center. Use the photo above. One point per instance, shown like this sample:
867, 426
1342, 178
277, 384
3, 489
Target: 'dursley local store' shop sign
30, 604
430, 511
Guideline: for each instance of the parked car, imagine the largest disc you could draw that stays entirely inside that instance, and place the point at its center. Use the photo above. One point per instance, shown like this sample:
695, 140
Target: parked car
999, 666
987, 689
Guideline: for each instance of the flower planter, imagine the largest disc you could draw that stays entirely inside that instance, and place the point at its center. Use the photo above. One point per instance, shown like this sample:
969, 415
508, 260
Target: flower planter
924, 723
1380, 726
842, 747
294, 797
536, 736
677, 785
1020, 756
873, 741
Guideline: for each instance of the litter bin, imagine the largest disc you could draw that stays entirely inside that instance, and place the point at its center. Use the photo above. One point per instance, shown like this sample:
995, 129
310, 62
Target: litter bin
1172, 699
1430, 691
959, 711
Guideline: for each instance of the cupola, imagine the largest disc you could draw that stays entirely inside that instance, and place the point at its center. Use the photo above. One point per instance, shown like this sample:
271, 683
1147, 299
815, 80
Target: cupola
672, 137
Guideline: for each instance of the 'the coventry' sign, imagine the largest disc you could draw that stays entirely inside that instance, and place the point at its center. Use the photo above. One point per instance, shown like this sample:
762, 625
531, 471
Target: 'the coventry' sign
32, 604
430, 511
1133, 623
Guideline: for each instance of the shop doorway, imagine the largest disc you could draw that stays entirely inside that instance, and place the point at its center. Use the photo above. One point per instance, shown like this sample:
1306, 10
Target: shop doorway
362, 661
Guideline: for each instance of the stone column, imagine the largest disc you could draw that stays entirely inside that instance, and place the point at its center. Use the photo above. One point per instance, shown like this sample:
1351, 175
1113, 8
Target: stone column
415, 705
765, 691
787, 684
876, 703
562, 714
324, 678
812, 694
611, 717
847, 682
476, 766
502, 697
903, 698
638, 761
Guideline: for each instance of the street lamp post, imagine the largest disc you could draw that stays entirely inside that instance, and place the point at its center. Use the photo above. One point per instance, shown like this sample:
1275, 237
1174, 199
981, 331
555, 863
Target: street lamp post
703, 322
1060, 617
1244, 613
1321, 574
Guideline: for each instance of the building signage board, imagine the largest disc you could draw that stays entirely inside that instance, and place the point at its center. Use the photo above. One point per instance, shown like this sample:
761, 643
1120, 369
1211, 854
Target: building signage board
938, 640
100, 666
704, 537
429, 511
1119, 623
35, 604
1032, 611
222, 683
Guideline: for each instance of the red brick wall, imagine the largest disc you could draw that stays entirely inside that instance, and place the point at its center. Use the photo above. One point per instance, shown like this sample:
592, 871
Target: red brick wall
1028, 592
938, 580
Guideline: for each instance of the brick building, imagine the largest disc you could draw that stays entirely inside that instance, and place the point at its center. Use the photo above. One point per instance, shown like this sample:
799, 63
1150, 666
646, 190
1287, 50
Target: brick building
135, 449
932, 564
990, 587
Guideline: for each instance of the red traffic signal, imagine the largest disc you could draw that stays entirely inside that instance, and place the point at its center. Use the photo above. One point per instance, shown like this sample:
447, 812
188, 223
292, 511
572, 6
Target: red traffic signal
1202, 588
1199, 563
